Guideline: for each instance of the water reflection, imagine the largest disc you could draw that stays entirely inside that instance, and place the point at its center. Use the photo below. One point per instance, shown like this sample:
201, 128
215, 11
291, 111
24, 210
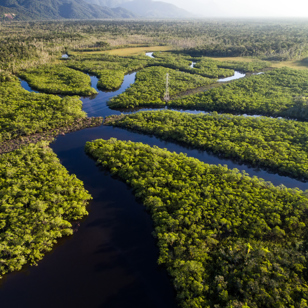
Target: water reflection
237, 75
150, 54
97, 105
26, 86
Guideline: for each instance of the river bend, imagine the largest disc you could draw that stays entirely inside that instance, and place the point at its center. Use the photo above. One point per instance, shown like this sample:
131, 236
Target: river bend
111, 261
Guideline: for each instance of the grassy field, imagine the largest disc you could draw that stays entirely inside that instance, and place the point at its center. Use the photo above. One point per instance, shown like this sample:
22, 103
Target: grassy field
295, 64
129, 51
231, 59
137, 50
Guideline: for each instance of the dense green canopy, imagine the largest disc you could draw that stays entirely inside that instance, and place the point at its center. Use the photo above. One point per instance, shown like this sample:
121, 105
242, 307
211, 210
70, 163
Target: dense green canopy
111, 69
150, 86
281, 92
266, 39
25, 113
207, 67
38, 199
58, 79
277, 144
228, 240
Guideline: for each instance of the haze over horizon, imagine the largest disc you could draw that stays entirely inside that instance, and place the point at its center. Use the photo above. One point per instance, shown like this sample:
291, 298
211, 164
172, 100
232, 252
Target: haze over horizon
244, 8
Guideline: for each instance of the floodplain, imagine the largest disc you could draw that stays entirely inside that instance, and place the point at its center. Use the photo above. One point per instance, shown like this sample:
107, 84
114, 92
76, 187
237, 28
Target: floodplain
188, 209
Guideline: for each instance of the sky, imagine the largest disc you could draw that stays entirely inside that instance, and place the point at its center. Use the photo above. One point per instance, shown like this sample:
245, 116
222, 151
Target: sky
244, 8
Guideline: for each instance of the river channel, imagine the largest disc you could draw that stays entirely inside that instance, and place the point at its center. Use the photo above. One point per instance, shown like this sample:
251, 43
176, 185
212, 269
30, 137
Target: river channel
111, 261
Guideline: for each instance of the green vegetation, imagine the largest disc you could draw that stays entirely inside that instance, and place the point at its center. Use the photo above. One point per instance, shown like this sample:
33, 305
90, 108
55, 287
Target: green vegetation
130, 50
253, 66
25, 113
277, 41
27, 44
58, 79
207, 67
150, 86
110, 79
109, 69
14, 144
279, 145
281, 92
227, 240
38, 199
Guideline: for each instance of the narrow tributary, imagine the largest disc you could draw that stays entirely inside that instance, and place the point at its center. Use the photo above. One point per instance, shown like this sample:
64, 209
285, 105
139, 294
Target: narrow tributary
111, 261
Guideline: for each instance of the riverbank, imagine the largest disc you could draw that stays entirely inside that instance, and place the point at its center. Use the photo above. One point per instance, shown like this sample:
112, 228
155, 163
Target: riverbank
11, 145
114, 253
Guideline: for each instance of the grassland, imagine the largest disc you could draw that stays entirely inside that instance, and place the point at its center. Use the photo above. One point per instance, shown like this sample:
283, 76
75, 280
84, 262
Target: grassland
129, 51
295, 64
137, 50
232, 59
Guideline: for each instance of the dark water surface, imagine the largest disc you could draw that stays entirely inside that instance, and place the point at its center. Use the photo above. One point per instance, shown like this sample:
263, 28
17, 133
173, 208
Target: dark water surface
111, 260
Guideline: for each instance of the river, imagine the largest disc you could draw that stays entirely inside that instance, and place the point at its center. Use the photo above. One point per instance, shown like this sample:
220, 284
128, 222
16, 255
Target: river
111, 261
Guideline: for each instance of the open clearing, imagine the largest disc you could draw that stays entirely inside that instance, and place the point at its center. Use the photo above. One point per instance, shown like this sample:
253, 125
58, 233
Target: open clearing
238, 59
129, 51
137, 50
295, 64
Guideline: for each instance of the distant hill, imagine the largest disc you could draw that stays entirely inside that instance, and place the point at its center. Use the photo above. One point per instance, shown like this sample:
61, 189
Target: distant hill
4, 11
60, 9
147, 8
108, 3
155, 9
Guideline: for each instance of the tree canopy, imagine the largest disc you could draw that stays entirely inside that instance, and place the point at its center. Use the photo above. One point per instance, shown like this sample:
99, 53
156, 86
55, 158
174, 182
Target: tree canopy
227, 240
281, 92
58, 79
280, 145
38, 201
25, 113
150, 86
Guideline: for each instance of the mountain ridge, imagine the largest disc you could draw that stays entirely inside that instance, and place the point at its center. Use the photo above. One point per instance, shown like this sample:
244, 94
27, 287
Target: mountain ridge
60, 9
108, 3
147, 8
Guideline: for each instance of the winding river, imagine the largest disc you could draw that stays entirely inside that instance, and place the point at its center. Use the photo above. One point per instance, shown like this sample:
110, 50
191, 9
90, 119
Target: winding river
110, 261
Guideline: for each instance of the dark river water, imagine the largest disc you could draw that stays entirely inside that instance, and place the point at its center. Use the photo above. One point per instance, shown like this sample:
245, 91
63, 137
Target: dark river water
112, 260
